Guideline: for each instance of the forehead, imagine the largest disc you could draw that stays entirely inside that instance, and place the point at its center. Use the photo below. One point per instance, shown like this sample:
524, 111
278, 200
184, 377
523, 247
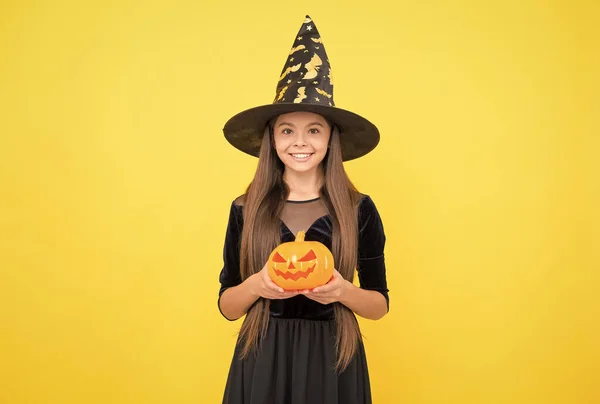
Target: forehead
300, 118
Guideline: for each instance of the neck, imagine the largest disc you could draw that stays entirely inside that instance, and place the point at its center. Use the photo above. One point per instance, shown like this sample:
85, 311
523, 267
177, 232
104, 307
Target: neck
305, 185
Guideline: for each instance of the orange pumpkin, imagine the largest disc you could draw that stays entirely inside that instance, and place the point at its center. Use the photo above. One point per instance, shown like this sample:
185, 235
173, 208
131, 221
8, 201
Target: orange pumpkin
301, 264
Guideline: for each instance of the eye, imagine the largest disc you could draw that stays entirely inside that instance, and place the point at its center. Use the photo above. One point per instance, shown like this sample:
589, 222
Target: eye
286, 131
314, 131
278, 258
308, 257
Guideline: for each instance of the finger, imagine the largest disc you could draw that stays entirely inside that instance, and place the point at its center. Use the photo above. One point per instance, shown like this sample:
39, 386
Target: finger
328, 287
271, 294
282, 295
319, 289
272, 285
331, 284
319, 299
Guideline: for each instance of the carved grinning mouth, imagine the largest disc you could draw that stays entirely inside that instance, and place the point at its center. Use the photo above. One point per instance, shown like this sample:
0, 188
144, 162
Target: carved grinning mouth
296, 275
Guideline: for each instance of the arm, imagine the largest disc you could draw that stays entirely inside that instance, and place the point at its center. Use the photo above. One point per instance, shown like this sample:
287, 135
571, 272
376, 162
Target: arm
233, 294
236, 297
369, 304
237, 300
366, 303
370, 300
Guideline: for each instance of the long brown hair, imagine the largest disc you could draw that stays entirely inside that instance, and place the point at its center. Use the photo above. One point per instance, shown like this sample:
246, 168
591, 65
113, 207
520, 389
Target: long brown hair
263, 203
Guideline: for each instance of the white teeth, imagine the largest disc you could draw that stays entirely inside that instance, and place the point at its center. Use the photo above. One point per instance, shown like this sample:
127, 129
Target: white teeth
300, 156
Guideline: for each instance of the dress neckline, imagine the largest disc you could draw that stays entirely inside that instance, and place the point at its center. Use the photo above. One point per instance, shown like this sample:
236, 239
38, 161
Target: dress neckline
303, 201
308, 229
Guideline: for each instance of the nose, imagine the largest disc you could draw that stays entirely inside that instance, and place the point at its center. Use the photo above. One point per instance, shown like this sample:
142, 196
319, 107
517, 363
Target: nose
300, 140
291, 266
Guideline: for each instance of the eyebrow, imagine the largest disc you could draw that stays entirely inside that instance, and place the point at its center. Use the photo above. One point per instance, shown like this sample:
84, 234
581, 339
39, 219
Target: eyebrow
291, 124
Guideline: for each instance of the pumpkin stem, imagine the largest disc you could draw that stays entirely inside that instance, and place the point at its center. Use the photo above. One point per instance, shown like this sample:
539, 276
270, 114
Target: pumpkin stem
300, 235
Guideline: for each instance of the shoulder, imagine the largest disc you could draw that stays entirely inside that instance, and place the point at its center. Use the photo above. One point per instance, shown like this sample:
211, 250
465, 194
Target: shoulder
366, 204
237, 204
236, 208
368, 214
239, 201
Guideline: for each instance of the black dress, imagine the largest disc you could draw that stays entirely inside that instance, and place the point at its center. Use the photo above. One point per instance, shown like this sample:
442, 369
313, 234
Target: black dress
296, 362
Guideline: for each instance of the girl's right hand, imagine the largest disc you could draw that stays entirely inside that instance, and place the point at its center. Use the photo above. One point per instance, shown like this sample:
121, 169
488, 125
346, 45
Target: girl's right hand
263, 286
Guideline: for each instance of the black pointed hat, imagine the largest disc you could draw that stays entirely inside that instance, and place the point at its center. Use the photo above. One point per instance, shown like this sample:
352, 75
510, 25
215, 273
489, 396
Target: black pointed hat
305, 84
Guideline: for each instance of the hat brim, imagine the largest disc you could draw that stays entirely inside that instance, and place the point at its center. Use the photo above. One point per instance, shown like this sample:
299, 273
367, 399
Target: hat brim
358, 136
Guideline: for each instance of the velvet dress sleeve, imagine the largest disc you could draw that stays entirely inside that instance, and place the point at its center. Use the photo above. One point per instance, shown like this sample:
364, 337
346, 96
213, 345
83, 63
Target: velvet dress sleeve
371, 244
230, 273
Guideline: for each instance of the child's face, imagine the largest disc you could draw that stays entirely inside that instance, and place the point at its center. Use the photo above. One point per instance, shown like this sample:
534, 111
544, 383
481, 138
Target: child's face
301, 140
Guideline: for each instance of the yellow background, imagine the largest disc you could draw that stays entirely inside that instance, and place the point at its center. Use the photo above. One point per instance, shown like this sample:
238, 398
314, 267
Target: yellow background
116, 182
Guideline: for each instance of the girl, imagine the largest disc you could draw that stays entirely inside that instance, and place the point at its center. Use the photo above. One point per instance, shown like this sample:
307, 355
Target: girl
302, 346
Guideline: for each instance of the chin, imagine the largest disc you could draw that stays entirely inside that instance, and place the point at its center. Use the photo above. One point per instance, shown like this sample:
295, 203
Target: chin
302, 169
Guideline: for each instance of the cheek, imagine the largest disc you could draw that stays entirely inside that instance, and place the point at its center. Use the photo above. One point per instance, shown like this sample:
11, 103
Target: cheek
282, 142
321, 144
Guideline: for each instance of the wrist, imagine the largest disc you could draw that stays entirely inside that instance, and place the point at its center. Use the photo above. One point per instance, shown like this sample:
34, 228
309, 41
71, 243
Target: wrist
346, 291
251, 286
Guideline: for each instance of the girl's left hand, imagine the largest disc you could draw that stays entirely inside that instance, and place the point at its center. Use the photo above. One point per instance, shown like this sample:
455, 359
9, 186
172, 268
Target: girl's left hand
332, 291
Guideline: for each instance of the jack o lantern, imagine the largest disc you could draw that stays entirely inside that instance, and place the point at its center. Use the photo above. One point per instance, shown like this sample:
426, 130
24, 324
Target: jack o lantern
300, 264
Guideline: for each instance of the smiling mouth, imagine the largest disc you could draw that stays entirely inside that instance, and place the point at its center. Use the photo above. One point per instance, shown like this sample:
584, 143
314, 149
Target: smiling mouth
295, 275
301, 156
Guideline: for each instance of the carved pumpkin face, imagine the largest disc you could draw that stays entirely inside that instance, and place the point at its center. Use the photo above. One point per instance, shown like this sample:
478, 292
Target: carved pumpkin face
300, 264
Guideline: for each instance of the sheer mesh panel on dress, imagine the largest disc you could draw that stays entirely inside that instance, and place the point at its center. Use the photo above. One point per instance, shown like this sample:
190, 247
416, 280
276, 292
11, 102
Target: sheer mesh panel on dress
300, 215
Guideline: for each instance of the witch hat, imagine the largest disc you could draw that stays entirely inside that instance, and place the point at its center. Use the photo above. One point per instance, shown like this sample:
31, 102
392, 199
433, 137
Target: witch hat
305, 84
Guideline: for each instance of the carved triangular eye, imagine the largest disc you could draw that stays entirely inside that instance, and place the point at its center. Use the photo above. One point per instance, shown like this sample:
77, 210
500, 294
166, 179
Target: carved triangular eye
309, 256
278, 258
